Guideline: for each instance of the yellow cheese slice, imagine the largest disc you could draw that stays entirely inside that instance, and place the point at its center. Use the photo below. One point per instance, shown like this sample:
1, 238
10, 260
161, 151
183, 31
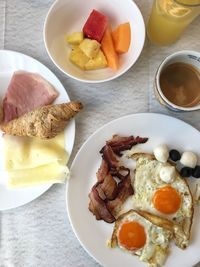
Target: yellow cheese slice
26, 152
50, 173
31, 161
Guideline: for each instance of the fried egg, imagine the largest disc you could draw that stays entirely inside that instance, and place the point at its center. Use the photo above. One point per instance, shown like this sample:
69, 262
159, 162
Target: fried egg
171, 200
136, 233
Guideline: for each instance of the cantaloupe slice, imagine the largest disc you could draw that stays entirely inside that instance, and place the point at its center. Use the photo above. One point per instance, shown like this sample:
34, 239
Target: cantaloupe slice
122, 37
107, 46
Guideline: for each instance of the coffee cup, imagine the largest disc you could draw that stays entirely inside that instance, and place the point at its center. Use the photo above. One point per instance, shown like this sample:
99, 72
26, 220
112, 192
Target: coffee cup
177, 81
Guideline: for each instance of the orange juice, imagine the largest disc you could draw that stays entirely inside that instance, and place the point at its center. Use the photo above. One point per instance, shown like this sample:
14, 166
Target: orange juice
189, 2
169, 18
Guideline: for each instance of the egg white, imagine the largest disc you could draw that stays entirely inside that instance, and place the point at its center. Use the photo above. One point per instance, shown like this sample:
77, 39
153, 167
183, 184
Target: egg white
147, 181
155, 249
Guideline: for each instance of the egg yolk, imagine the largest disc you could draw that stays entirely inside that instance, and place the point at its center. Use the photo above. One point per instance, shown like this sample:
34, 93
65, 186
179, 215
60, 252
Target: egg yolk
132, 235
167, 200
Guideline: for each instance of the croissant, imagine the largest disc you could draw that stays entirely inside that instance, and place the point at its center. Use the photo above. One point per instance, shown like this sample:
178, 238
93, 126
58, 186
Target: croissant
44, 122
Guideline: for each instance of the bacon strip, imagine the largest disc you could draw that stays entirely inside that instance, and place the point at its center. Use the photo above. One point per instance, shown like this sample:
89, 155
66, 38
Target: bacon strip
100, 191
125, 190
110, 157
102, 171
98, 207
121, 172
109, 193
109, 187
119, 144
106, 183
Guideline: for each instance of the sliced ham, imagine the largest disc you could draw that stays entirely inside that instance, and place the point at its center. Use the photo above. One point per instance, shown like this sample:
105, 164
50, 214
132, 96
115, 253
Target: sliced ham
26, 92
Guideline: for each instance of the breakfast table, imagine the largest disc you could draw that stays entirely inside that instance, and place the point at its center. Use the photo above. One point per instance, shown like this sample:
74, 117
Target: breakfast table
39, 233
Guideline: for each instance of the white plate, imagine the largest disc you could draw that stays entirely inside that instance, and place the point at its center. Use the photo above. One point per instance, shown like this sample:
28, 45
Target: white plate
11, 61
93, 234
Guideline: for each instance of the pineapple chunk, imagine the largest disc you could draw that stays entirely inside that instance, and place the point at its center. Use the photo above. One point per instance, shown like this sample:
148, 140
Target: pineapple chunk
90, 47
78, 58
96, 63
75, 38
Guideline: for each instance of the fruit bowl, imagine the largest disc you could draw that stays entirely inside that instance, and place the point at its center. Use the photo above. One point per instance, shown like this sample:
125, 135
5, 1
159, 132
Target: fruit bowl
66, 17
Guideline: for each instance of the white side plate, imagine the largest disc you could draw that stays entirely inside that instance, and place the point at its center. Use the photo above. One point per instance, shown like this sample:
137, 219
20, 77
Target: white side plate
11, 61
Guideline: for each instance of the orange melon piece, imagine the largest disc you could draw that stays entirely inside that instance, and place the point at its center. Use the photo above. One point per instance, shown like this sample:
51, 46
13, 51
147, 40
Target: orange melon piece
122, 37
107, 46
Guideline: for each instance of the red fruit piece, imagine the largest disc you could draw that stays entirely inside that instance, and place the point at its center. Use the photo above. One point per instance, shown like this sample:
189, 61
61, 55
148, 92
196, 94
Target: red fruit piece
95, 26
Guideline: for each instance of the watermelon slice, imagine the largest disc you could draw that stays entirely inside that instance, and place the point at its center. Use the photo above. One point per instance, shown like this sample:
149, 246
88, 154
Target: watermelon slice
95, 26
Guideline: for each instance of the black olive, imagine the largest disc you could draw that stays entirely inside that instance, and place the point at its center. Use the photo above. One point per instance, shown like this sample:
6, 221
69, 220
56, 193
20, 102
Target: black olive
196, 172
174, 155
186, 172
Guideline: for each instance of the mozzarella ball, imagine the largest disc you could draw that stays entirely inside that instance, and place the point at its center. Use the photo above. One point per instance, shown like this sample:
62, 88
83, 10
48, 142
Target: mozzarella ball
189, 159
161, 153
167, 174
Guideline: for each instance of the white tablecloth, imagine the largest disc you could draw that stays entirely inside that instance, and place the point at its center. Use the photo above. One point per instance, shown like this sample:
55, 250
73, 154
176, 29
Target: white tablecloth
39, 233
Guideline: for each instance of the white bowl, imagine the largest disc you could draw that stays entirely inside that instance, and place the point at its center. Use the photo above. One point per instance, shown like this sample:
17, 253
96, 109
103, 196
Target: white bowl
68, 16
